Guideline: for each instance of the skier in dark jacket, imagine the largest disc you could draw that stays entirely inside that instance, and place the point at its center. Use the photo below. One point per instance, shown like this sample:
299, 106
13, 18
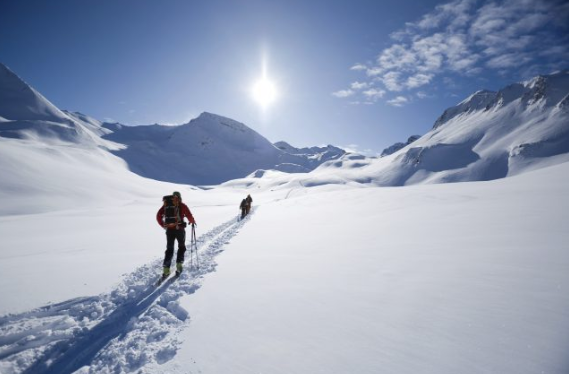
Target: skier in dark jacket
172, 220
243, 207
249, 200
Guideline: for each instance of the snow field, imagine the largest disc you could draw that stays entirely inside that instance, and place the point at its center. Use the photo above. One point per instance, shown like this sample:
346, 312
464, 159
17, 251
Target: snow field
134, 323
454, 278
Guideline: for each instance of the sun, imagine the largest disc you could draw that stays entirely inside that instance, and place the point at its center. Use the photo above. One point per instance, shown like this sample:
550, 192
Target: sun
264, 92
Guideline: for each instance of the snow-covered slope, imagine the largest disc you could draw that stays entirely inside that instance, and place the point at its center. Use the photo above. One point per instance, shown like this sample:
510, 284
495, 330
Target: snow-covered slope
489, 136
19, 101
433, 279
210, 149
55, 160
26, 114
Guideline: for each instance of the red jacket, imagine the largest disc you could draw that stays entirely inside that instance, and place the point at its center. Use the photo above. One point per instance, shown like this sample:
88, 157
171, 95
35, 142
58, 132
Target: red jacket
184, 212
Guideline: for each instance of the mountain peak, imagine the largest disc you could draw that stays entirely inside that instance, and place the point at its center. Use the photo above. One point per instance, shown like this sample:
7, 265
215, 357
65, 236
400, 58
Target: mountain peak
477, 101
548, 90
478, 97
19, 101
211, 122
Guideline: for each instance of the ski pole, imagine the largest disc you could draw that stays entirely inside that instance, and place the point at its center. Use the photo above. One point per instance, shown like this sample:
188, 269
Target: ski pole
194, 245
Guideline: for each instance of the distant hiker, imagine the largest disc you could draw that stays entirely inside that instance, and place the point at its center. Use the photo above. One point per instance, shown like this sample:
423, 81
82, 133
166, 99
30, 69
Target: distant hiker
243, 208
249, 200
171, 217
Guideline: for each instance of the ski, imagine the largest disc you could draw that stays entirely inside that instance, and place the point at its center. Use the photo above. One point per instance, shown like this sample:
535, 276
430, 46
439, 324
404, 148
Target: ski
161, 279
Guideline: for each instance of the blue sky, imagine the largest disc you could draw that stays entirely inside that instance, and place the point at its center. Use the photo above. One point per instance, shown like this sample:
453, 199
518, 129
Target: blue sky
353, 73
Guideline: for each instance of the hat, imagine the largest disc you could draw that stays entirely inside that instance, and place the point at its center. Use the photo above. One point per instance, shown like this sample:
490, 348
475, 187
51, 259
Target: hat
176, 193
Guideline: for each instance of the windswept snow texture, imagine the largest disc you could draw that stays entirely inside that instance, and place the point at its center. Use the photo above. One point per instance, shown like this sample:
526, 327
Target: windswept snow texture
208, 150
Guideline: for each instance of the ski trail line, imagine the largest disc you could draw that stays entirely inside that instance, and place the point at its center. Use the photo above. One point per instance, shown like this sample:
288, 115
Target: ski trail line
135, 324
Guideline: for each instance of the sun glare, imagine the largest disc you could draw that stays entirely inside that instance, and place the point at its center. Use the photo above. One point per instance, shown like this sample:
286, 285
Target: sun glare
264, 92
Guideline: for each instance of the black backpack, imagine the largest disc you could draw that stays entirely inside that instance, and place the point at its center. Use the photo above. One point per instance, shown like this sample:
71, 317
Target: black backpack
170, 210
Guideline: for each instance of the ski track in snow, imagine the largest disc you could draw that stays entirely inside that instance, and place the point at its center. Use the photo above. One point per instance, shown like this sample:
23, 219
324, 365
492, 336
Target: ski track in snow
135, 324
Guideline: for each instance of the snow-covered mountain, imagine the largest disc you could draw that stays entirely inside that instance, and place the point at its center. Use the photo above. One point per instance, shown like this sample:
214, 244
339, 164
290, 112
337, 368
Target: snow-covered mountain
26, 114
397, 146
210, 149
51, 159
492, 135
487, 136
316, 155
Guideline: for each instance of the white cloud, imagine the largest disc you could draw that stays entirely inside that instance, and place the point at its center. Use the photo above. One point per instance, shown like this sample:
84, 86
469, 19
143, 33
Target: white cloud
358, 67
467, 37
422, 95
399, 101
354, 148
510, 60
418, 80
391, 81
473, 71
359, 85
374, 94
343, 93
430, 51
374, 71
396, 56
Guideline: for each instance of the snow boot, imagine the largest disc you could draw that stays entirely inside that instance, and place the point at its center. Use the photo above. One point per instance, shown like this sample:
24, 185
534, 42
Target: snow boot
179, 268
166, 273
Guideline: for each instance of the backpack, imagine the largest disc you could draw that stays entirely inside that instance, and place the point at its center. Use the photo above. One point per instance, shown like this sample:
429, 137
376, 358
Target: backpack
170, 210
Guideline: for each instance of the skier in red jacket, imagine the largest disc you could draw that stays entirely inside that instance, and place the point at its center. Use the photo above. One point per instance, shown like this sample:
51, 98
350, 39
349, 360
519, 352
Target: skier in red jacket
171, 217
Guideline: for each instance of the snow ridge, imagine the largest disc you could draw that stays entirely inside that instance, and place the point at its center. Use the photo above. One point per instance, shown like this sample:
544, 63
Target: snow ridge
132, 326
397, 146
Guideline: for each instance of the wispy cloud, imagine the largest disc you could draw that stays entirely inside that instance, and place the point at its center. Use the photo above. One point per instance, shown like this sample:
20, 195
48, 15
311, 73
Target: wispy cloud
399, 101
422, 95
355, 148
358, 67
343, 93
374, 94
359, 85
392, 81
418, 80
467, 38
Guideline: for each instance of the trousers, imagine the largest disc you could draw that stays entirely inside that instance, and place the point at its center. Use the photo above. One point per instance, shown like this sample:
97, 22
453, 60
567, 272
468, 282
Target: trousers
173, 235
